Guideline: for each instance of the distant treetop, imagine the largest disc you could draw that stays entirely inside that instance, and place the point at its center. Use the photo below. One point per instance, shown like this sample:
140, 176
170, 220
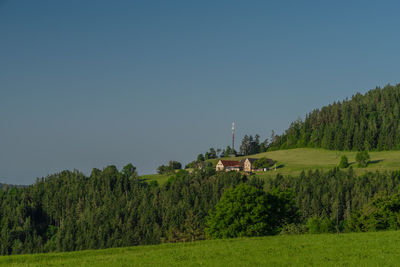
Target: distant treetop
365, 122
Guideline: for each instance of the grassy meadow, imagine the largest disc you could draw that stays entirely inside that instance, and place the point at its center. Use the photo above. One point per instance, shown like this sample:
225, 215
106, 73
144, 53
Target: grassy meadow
353, 249
293, 161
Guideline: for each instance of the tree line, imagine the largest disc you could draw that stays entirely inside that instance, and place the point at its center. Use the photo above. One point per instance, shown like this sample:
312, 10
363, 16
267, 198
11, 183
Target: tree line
110, 208
364, 122
250, 145
338, 200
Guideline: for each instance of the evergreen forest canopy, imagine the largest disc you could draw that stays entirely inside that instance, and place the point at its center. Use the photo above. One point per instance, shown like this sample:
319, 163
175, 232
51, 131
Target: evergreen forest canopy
69, 211
4, 186
365, 122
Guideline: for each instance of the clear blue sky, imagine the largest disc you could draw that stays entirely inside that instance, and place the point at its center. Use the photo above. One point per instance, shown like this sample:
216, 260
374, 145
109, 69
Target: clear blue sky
85, 84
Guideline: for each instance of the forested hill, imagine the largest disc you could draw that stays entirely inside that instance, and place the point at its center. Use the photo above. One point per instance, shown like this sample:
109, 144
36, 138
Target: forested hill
4, 186
364, 122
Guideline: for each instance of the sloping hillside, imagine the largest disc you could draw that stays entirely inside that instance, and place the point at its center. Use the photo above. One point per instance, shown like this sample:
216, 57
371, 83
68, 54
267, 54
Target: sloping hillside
293, 161
364, 122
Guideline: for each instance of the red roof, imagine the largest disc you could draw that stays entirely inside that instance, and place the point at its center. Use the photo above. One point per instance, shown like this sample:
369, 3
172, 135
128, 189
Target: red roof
231, 163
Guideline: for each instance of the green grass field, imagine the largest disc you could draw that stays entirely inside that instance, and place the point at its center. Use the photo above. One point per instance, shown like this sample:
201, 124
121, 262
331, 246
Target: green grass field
354, 249
293, 161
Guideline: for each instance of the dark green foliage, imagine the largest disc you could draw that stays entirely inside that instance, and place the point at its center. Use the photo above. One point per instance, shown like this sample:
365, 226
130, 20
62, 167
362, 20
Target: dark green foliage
294, 229
69, 211
252, 145
344, 162
362, 159
192, 164
212, 154
199, 165
228, 152
263, 163
199, 162
5, 186
382, 213
175, 165
336, 195
172, 166
164, 169
317, 225
200, 158
110, 208
248, 211
365, 122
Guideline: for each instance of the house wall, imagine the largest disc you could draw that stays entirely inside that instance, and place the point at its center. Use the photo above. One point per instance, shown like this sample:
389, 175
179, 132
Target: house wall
247, 166
232, 168
219, 166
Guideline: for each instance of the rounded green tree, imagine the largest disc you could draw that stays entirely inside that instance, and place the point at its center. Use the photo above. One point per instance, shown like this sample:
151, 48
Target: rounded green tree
263, 163
248, 211
362, 158
344, 162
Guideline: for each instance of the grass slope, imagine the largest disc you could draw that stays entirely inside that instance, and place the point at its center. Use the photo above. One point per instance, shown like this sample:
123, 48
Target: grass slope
293, 161
354, 249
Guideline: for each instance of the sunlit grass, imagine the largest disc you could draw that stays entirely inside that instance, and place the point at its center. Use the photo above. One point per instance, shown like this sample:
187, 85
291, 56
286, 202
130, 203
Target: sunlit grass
353, 249
293, 161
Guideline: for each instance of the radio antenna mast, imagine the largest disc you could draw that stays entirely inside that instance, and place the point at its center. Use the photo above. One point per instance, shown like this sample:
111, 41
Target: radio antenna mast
233, 137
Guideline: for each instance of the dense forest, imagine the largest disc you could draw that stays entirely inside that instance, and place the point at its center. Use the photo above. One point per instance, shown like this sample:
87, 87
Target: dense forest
69, 211
111, 208
336, 198
365, 122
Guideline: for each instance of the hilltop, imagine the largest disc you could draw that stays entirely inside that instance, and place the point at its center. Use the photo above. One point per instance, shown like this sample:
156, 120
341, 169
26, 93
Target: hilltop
364, 122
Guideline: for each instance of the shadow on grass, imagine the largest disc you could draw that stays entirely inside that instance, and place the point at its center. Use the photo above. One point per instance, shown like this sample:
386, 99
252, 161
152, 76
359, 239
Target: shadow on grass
280, 166
375, 161
354, 164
